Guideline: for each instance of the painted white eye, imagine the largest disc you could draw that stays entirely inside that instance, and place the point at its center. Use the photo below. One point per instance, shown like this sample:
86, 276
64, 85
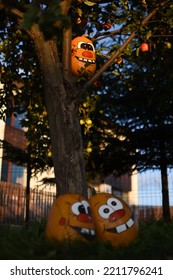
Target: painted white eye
86, 206
77, 208
114, 203
91, 47
105, 211
86, 46
82, 207
82, 45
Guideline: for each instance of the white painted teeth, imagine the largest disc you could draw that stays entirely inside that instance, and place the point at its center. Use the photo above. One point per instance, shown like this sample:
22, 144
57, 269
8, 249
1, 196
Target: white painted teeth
85, 230
130, 223
88, 231
121, 228
82, 59
86, 60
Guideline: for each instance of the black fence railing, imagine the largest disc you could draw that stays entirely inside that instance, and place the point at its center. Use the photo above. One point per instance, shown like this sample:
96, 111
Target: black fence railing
13, 205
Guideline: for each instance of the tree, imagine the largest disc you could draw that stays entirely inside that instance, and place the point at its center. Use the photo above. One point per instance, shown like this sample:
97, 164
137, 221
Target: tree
50, 25
154, 138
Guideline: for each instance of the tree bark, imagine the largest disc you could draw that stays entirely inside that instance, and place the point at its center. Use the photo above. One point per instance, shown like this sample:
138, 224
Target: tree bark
62, 101
27, 219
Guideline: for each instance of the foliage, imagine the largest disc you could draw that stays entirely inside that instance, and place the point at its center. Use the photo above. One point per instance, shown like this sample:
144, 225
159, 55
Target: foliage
133, 97
154, 242
22, 81
139, 102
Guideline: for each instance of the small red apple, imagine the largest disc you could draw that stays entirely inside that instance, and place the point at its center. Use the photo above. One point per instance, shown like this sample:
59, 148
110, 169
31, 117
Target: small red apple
97, 84
106, 26
79, 21
119, 60
144, 47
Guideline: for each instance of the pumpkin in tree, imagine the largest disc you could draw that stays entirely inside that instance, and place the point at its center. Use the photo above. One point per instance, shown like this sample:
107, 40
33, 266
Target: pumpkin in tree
83, 59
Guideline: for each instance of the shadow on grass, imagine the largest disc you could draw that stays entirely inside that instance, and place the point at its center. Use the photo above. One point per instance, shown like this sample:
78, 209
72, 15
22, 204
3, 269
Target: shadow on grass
155, 242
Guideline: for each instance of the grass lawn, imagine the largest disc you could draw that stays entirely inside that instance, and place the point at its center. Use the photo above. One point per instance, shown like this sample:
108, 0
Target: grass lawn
155, 242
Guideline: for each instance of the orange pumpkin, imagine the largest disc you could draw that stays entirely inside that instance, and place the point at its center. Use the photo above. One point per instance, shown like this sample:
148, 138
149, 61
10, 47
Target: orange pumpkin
114, 219
70, 218
83, 57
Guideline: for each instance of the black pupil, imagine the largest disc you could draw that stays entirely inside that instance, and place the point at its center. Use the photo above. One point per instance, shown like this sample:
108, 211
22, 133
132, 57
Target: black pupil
89, 211
81, 209
106, 210
114, 203
86, 47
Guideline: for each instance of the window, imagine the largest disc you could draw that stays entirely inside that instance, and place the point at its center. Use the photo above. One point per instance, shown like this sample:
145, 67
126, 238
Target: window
13, 173
4, 172
17, 174
17, 120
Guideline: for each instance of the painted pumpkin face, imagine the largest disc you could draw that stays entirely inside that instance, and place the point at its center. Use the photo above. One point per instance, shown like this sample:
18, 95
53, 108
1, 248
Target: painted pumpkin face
114, 220
83, 57
70, 218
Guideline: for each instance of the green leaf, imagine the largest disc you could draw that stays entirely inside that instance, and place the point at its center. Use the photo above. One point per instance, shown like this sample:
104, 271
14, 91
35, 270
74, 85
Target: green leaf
79, 11
89, 3
137, 51
116, 73
149, 34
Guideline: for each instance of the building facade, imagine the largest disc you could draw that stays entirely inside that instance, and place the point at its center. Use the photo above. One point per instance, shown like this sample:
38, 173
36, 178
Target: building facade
12, 133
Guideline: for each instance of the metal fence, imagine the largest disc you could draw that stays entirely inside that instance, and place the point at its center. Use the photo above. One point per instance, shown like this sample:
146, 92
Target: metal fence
13, 205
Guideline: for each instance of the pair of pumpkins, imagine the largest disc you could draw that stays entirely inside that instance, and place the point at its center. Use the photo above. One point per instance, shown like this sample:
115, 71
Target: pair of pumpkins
111, 219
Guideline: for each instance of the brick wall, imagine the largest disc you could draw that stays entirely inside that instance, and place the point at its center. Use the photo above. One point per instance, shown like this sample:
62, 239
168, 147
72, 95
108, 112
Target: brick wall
15, 137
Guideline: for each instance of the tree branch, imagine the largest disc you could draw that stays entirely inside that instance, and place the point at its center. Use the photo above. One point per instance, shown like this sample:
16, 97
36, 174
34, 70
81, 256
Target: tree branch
17, 13
103, 35
125, 44
66, 51
12, 9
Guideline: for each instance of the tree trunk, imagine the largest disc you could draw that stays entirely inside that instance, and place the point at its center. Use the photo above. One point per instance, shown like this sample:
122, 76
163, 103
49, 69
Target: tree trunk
165, 194
62, 101
164, 180
27, 219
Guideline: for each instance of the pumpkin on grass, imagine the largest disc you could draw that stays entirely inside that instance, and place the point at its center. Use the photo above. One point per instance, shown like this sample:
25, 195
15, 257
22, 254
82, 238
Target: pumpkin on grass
70, 218
114, 220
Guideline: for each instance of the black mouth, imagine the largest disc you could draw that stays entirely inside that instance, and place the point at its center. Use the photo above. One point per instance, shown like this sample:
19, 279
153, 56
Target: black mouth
85, 60
86, 233
123, 227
